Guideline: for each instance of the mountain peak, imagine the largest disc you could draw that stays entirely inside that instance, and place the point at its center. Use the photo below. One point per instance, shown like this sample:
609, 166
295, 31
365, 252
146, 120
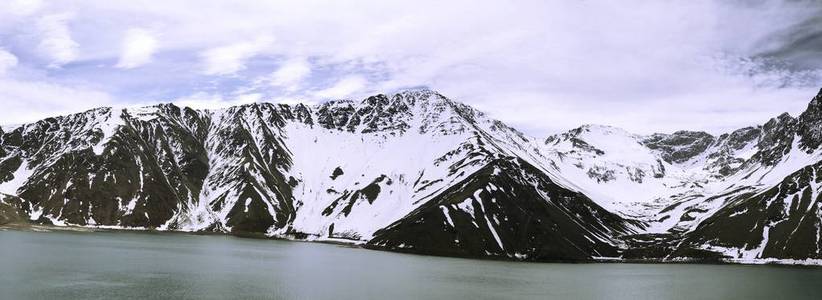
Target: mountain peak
604, 129
593, 138
783, 119
416, 96
815, 105
416, 91
810, 122
390, 168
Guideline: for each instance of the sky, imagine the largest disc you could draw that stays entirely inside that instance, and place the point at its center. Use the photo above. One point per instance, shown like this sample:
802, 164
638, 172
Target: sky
540, 66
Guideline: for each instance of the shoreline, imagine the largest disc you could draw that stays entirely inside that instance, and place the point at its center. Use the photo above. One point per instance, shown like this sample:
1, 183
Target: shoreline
808, 263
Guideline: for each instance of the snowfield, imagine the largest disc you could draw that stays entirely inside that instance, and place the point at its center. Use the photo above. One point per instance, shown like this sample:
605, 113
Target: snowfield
381, 171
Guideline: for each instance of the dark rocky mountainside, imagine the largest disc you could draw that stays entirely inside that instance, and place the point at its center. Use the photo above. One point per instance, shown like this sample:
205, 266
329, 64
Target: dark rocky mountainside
746, 196
418, 172
9, 211
507, 209
317, 173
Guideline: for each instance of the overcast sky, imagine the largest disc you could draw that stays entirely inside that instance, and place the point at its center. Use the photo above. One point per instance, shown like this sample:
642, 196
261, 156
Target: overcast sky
541, 66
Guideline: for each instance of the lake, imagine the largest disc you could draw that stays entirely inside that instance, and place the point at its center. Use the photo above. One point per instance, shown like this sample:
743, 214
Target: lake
143, 265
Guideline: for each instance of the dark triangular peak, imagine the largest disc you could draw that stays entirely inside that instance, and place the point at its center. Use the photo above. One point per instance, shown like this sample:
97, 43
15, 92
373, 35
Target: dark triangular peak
507, 209
777, 138
810, 124
816, 102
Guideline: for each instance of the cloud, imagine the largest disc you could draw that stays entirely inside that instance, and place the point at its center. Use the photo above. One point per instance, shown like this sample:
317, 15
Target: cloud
542, 66
138, 47
226, 60
56, 42
343, 88
7, 61
203, 100
33, 100
24, 7
291, 74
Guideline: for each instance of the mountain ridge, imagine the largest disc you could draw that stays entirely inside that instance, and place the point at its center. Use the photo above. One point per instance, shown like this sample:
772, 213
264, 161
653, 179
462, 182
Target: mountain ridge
382, 171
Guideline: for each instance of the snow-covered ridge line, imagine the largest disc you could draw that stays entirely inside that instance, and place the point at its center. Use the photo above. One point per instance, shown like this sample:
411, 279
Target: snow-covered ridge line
377, 170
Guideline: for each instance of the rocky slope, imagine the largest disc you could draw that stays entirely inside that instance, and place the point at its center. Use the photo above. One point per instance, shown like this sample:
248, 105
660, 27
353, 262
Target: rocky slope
342, 170
418, 172
9, 211
704, 196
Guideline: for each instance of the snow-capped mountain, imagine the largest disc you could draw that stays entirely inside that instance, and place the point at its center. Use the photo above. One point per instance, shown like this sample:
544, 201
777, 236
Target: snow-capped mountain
706, 196
418, 172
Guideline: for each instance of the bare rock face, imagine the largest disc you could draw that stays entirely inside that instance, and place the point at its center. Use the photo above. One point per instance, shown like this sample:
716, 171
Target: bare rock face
417, 172
341, 170
680, 146
9, 212
810, 124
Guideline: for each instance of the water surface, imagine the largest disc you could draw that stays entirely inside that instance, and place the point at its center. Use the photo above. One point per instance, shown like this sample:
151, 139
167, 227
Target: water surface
139, 265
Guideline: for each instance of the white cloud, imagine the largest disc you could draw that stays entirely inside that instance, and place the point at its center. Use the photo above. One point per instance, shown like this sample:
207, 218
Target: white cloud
540, 65
24, 7
343, 88
56, 41
202, 100
230, 59
29, 101
293, 101
138, 47
7, 61
291, 74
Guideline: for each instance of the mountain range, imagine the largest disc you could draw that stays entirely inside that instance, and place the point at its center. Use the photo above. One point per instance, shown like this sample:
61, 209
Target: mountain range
417, 172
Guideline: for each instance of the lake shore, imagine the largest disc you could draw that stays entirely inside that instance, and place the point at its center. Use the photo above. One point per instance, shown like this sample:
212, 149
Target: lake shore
106, 264
33, 227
